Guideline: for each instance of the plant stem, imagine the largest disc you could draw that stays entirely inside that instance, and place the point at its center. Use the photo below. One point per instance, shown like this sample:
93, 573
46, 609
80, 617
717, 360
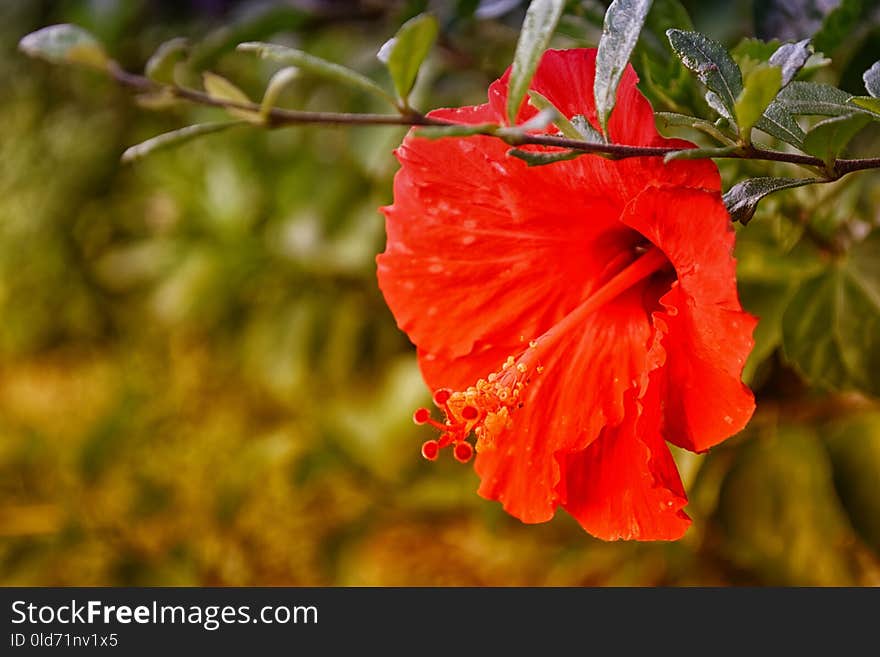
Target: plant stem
278, 117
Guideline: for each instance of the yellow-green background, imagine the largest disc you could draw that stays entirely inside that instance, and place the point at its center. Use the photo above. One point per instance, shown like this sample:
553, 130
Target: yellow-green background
200, 383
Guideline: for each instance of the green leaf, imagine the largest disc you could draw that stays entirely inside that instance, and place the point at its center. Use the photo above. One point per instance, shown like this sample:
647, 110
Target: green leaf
872, 80
809, 98
666, 120
778, 515
827, 139
175, 137
663, 78
403, 55
565, 126
750, 52
717, 104
872, 105
667, 84
713, 66
65, 44
699, 153
160, 67
771, 251
759, 88
767, 302
220, 88
538, 26
620, 32
831, 329
781, 124
854, 446
791, 57
276, 85
315, 66
815, 62
802, 98
771, 261
838, 25
541, 158
438, 132
161, 99
585, 128
742, 199
579, 127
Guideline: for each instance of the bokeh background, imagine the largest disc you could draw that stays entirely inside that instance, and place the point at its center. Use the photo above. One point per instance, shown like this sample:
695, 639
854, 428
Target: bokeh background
200, 383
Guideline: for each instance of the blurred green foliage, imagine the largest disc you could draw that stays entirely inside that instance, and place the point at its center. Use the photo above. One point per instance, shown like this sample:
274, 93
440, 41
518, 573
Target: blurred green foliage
200, 383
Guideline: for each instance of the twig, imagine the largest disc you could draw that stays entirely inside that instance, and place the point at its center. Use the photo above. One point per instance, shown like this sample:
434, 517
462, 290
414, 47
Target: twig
278, 117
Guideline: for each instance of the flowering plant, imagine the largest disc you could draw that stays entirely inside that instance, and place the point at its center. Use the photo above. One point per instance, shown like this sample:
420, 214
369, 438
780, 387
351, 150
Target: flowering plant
565, 271
583, 311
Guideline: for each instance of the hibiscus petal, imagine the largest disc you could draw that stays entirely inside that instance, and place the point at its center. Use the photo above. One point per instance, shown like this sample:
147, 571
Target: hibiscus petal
580, 391
625, 485
565, 78
468, 115
704, 332
483, 249
485, 254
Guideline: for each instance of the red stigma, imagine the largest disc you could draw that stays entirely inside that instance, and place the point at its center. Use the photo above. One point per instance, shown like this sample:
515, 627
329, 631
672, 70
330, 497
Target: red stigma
442, 396
430, 450
483, 410
463, 452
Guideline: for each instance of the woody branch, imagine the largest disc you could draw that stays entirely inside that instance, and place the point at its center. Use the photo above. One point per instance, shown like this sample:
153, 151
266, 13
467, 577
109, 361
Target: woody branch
279, 117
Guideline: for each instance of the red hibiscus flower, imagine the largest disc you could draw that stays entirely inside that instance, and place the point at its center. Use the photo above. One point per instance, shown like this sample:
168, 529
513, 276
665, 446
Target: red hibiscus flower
571, 318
